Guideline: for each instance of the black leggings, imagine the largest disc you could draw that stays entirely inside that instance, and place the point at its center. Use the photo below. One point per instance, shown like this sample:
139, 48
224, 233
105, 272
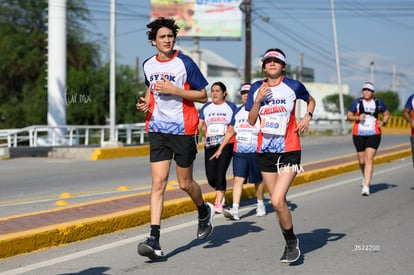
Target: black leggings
216, 168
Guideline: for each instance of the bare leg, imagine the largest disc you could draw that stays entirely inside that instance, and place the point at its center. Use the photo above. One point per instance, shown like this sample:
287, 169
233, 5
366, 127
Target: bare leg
259, 190
160, 171
369, 164
219, 196
237, 189
188, 184
361, 161
278, 186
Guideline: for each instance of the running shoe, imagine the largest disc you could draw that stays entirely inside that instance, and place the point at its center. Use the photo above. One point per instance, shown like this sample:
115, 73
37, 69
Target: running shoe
205, 226
292, 251
365, 190
231, 213
260, 210
150, 248
218, 207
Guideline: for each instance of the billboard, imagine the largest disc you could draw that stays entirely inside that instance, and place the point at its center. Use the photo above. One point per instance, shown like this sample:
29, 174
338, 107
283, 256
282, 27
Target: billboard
202, 18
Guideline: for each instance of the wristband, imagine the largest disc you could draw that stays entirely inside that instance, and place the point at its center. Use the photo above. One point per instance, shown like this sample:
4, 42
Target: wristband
310, 114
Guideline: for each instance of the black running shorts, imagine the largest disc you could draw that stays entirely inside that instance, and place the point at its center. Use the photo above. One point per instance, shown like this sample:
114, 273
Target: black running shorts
182, 149
362, 142
272, 162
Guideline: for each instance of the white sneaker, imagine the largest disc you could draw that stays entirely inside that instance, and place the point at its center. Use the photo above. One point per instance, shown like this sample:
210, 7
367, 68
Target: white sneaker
231, 213
260, 210
365, 190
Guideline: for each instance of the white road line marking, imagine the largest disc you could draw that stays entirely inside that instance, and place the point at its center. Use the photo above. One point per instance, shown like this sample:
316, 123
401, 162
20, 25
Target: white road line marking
112, 245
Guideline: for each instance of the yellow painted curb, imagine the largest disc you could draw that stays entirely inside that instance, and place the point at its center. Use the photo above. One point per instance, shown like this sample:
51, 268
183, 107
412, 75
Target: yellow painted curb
120, 152
396, 131
49, 236
124, 152
55, 235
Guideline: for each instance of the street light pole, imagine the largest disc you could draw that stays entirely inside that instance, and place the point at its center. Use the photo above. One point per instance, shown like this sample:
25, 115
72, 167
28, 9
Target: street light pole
112, 141
248, 32
338, 69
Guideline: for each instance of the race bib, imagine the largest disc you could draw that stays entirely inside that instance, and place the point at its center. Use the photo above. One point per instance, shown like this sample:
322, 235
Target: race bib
274, 125
213, 141
216, 130
244, 138
368, 124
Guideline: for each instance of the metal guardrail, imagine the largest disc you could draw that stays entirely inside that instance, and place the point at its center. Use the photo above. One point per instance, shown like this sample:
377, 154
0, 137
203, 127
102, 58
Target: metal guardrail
71, 135
127, 134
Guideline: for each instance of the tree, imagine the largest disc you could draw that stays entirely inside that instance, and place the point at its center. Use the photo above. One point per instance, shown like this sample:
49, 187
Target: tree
23, 90
331, 102
23, 25
389, 98
88, 98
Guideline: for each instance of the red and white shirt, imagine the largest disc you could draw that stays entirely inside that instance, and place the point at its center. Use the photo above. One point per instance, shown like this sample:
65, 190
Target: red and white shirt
368, 126
410, 106
246, 134
172, 114
277, 115
217, 118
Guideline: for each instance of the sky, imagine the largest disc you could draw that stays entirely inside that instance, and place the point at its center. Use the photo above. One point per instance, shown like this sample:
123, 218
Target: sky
375, 38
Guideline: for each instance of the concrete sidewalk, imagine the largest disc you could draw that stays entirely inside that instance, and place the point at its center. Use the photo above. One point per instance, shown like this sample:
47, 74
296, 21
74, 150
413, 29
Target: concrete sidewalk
34, 231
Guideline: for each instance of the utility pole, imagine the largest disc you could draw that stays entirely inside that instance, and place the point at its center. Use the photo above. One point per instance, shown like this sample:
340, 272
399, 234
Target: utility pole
56, 70
372, 72
112, 70
248, 33
394, 78
338, 68
300, 72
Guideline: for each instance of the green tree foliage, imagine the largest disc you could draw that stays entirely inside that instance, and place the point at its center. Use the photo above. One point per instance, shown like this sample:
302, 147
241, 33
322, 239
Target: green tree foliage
390, 99
23, 49
22, 56
88, 100
331, 102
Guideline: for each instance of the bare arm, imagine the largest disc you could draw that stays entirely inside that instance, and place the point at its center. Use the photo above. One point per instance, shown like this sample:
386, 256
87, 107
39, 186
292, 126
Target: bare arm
254, 112
407, 116
200, 125
229, 134
303, 124
386, 116
353, 117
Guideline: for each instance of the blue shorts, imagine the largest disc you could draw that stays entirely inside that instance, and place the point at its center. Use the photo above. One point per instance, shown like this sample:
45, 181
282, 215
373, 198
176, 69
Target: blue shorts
246, 165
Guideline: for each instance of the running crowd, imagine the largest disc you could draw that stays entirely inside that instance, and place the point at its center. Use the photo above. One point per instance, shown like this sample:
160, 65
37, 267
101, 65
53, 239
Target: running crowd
261, 137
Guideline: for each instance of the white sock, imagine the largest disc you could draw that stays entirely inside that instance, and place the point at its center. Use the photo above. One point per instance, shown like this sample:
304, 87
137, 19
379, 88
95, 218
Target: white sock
236, 206
260, 202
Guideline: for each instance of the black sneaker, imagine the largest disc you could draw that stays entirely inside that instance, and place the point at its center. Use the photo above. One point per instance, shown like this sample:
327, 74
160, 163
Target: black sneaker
292, 251
205, 226
150, 248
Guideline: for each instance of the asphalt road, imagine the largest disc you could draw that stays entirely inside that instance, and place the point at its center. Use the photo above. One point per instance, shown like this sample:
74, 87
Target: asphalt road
340, 232
35, 184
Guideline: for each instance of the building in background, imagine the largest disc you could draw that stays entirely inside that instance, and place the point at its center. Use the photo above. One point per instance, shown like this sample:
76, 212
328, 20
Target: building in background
217, 68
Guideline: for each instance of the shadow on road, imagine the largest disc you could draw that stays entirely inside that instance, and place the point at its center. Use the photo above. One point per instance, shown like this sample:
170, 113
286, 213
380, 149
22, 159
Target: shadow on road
374, 188
222, 234
90, 271
314, 240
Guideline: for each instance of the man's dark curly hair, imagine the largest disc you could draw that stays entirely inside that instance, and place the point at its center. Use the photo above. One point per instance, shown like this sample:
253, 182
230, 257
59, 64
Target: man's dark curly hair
160, 22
